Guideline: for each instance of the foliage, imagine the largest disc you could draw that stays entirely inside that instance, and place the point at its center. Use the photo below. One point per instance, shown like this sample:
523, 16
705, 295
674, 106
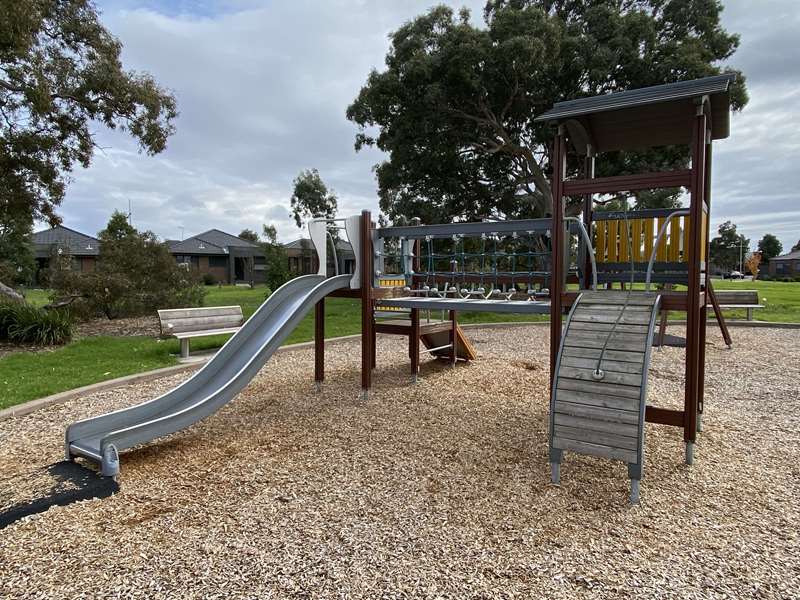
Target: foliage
769, 246
135, 274
752, 262
454, 107
728, 246
249, 235
17, 265
22, 323
209, 279
60, 75
311, 198
276, 262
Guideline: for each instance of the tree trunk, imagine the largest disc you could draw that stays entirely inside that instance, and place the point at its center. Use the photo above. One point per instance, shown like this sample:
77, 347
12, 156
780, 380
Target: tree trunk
9, 294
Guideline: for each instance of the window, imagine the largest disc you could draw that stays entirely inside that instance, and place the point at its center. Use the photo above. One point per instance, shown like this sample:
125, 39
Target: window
217, 262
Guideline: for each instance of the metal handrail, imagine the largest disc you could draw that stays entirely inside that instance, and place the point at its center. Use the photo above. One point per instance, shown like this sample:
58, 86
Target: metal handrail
588, 241
661, 232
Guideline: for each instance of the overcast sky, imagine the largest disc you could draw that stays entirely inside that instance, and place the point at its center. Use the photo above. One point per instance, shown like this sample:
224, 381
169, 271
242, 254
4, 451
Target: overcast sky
262, 88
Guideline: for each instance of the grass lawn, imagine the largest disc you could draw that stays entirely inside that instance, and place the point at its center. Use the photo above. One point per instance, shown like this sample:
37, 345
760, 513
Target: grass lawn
26, 376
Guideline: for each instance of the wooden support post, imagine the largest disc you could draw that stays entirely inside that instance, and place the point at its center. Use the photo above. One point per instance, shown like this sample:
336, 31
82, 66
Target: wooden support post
367, 316
453, 338
557, 247
319, 343
723, 326
413, 343
693, 314
588, 173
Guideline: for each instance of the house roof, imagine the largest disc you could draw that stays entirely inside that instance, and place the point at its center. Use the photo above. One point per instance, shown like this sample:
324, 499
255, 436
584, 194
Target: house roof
77, 243
653, 116
224, 240
305, 243
211, 242
194, 245
795, 255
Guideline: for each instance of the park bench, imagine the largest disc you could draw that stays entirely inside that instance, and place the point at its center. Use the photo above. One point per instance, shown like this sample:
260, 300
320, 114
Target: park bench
188, 323
747, 299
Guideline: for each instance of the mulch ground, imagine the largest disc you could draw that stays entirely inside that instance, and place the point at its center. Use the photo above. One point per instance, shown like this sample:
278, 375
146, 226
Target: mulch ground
437, 490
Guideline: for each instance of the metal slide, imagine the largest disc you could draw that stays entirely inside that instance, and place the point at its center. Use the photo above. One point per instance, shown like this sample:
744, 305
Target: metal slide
102, 438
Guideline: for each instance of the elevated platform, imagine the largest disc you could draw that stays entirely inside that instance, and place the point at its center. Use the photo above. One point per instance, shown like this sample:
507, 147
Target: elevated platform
470, 305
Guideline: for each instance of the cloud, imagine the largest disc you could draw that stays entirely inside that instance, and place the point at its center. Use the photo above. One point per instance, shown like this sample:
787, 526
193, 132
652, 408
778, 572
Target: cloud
263, 87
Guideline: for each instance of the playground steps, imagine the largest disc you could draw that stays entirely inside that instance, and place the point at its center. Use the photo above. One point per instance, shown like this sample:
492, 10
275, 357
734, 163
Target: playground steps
602, 413
464, 348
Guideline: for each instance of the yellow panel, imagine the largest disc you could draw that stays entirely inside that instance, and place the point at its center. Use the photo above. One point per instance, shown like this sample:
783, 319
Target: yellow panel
674, 246
612, 241
637, 240
623, 241
687, 232
648, 237
600, 242
704, 226
661, 254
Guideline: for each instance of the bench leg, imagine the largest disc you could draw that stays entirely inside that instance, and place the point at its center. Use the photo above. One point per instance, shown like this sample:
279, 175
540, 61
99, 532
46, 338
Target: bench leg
749, 314
185, 348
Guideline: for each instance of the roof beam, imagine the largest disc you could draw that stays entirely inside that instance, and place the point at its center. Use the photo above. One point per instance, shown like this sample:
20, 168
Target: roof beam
627, 183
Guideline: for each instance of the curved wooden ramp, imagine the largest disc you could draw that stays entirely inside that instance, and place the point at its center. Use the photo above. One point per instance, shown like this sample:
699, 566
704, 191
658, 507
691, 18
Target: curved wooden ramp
600, 387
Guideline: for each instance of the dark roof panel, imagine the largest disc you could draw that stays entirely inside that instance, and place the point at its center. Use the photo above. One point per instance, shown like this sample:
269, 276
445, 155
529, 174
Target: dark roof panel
222, 239
645, 117
195, 246
78, 244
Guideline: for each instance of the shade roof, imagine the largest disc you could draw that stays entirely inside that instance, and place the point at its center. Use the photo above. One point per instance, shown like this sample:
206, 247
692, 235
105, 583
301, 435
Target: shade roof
653, 116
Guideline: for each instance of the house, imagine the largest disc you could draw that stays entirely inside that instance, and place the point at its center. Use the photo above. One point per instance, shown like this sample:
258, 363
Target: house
227, 258
81, 249
303, 259
786, 264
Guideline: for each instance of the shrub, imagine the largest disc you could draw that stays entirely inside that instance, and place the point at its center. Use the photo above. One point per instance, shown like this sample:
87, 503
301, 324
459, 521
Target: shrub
27, 324
209, 279
135, 275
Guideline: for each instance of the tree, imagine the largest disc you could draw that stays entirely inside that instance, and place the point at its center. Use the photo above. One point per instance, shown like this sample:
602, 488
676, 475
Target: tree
728, 247
60, 75
118, 228
454, 107
769, 246
752, 262
17, 265
311, 198
135, 274
275, 259
249, 235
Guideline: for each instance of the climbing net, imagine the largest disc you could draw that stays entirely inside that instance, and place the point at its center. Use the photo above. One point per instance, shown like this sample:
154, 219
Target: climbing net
494, 265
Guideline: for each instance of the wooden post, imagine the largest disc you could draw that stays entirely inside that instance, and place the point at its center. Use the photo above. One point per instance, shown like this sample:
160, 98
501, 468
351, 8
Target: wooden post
588, 173
693, 313
413, 341
453, 338
366, 303
557, 246
319, 343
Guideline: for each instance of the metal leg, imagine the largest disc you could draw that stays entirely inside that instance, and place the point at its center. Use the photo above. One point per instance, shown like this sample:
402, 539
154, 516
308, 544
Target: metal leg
699, 422
555, 473
634, 491
317, 386
185, 348
749, 314
689, 453
109, 467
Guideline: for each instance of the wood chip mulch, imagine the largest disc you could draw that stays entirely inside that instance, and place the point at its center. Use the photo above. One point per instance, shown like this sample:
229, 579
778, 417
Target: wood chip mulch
439, 490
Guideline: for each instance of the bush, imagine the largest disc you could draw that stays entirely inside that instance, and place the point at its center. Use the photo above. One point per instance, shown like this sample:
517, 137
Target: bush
209, 279
27, 324
135, 275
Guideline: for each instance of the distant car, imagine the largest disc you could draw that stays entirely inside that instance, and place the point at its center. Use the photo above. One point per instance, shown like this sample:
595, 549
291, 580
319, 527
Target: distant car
735, 275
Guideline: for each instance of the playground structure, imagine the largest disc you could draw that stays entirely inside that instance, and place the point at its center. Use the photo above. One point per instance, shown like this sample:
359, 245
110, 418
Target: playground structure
598, 361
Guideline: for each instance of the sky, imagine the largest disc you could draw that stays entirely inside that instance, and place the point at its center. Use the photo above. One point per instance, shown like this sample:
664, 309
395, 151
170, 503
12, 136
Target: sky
262, 88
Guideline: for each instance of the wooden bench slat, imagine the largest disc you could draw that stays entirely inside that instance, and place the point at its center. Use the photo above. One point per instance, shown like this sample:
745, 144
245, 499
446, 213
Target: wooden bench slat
595, 449
616, 355
609, 366
601, 419
609, 389
599, 400
585, 374
195, 334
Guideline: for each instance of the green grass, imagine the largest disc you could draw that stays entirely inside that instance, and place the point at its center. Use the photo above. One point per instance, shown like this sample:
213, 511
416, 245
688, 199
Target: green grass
26, 376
